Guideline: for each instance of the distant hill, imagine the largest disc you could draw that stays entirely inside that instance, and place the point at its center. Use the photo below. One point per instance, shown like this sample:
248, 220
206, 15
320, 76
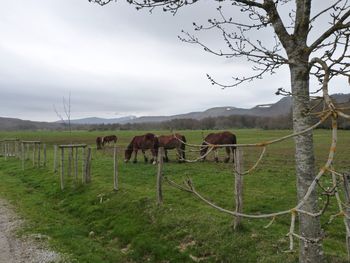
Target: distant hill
280, 108
11, 124
95, 120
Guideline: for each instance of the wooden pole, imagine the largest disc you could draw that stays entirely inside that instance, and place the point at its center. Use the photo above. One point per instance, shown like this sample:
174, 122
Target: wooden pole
70, 157
88, 166
34, 154
116, 183
6, 151
76, 165
27, 153
83, 174
90, 158
55, 158
23, 155
346, 177
159, 176
238, 186
39, 153
62, 169
44, 149
16, 153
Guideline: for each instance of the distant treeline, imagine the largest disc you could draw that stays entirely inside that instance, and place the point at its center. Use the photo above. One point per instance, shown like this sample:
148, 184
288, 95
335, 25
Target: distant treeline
219, 123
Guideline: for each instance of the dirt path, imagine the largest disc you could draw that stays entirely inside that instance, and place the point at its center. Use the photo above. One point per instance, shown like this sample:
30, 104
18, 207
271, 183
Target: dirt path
16, 250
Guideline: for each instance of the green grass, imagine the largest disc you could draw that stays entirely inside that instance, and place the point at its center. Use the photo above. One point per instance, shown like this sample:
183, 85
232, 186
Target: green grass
93, 223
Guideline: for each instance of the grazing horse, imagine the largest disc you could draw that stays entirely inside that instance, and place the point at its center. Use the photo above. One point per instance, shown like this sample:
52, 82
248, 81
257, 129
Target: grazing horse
99, 143
174, 141
143, 142
108, 139
219, 138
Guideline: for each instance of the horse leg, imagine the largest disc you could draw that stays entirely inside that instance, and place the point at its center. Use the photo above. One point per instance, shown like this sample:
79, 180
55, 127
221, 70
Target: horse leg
228, 150
166, 159
145, 156
135, 156
216, 155
154, 156
180, 155
203, 152
233, 149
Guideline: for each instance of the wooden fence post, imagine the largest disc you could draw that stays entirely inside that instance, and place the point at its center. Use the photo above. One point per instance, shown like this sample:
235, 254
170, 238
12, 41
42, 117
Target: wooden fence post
88, 166
62, 169
238, 186
5, 151
115, 158
23, 155
55, 158
70, 157
34, 148
16, 149
27, 152
159, 176
346, 177
76, 166
83, 176
44, 149
39, 153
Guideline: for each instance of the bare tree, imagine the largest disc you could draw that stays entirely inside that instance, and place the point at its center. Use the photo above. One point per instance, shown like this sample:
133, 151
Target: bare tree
299, 32
66, 119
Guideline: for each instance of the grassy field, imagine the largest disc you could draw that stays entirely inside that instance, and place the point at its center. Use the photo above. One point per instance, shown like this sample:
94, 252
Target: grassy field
93, 223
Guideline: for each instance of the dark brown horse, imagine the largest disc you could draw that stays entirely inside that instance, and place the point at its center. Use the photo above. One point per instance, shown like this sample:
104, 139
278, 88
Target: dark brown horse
220, 138
143, 142
99, 143
174, 141
108, 139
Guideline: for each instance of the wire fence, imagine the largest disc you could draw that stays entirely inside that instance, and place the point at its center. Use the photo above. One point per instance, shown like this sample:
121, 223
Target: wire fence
10, 148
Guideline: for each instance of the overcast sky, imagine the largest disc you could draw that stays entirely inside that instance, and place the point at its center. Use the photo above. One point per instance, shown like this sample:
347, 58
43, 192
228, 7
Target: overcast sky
114, 61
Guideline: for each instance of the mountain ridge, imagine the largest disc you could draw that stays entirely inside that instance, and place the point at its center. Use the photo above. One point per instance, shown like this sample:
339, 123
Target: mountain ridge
280, 108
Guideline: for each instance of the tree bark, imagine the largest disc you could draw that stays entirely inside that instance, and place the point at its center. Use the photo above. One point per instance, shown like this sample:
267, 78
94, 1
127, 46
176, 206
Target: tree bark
309, 227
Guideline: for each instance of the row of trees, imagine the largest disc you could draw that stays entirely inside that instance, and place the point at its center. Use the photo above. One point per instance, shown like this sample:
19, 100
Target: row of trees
210, 123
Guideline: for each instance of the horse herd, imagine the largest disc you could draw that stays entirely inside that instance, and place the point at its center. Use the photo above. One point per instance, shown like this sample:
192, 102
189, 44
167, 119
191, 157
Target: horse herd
150, 141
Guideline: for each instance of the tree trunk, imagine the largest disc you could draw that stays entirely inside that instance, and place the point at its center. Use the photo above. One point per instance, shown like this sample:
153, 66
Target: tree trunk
309, 227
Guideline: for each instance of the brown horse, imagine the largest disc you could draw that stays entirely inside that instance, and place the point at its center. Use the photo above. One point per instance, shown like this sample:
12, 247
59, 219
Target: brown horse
174, 141
108, 139
143, 142
99, 143
219, 138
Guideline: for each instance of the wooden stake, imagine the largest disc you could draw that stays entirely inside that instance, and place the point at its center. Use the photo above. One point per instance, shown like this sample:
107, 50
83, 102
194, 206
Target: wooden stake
88, 166
62, 169
76, 166
55, 158
159, 176
238, 186
83, 174
34, 154
44, 149
23, 155
70, 157
116, 183
39, 153
5, 151
27, 153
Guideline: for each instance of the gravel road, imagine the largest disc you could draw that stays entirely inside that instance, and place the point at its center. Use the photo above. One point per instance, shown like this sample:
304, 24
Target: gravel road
18, 250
